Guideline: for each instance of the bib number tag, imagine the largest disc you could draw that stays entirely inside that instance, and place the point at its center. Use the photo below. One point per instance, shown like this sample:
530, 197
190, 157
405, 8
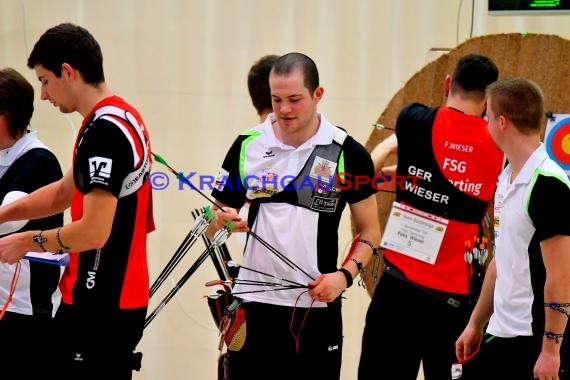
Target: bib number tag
414, 233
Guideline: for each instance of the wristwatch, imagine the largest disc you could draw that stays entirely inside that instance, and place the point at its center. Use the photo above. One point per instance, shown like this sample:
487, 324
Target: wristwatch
39, 240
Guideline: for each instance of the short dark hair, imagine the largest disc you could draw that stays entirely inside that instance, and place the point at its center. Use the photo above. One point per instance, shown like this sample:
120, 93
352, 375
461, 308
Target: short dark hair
16, 100
72, 44
520, 100
290, 61
258, 83
473, 73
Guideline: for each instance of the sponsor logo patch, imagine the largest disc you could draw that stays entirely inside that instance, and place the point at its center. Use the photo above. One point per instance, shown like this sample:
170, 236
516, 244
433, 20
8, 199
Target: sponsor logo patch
322, 169
100, 170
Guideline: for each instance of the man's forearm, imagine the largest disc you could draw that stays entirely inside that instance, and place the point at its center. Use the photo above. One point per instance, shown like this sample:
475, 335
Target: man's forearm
46, 201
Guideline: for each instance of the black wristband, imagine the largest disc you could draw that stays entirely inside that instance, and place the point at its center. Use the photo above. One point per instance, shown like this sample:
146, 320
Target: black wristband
348, 276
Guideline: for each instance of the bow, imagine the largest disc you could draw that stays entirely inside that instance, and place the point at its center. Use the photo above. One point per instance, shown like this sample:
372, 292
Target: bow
200, 225
219, 238
272, 249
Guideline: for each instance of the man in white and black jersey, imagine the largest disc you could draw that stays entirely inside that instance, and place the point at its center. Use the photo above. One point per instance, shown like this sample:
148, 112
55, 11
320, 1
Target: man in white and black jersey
26, 287
293, 168
525, 301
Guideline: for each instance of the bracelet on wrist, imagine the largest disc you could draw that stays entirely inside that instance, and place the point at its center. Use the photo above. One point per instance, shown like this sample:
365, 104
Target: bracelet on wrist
361, 270
559, 307
553, 336
372, 247
61, 249
347, 275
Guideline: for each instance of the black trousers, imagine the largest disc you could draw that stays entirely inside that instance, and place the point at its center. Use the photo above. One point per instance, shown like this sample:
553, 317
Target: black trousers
509, 358
406, 326
97, 345
272, 351
25, 345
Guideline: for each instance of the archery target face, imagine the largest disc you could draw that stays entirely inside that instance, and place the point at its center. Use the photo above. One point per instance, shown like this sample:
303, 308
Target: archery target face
557, 141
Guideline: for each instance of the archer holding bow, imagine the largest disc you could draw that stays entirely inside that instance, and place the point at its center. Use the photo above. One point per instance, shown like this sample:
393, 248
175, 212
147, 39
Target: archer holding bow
292, 168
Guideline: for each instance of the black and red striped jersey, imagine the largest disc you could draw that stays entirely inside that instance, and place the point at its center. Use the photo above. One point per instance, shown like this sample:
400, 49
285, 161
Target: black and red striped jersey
112, 152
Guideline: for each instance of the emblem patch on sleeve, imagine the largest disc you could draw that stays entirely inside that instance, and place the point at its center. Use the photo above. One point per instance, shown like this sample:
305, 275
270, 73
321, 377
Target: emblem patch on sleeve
220, 182
100, 170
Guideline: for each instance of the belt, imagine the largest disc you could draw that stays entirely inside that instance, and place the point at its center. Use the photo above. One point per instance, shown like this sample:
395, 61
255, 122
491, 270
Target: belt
455, 300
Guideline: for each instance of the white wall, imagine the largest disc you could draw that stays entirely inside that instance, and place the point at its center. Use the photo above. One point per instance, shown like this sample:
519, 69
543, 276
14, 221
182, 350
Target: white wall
183, 63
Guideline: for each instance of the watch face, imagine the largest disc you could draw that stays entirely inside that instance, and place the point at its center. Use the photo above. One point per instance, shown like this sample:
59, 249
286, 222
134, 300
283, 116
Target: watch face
39, 239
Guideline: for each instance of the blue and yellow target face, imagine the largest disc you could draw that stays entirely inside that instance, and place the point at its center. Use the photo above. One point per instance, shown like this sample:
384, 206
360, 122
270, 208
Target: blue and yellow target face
557, 142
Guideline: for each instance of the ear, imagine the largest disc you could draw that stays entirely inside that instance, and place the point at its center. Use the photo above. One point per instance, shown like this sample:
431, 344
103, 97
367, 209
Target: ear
447, 85
503, 123
318, 94
68, 72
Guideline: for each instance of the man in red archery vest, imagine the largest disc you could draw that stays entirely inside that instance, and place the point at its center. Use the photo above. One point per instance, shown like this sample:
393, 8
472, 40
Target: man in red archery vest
105, 286
423, 300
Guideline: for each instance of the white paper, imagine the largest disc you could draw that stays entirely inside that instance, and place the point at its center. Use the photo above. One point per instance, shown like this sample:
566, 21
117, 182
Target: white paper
48, 258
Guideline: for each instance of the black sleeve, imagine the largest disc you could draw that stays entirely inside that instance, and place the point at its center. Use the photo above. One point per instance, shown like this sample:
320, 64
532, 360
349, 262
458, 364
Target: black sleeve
229, 188
412, 116
104, 158
34, 169
358, 164
548, 207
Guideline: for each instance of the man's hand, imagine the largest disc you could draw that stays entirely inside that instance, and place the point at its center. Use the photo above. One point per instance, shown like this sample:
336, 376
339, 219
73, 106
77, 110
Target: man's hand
228, 214
468, 342
15, 246
327, 287
547, 366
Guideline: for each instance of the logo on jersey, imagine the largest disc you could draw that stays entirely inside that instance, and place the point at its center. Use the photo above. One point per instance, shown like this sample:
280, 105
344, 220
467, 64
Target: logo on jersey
324, 204
265, 185
324, 198
100, 170
322, 169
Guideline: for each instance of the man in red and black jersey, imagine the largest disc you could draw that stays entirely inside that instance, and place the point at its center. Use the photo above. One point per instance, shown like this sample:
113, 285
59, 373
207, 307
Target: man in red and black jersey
451, 166
105, 286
